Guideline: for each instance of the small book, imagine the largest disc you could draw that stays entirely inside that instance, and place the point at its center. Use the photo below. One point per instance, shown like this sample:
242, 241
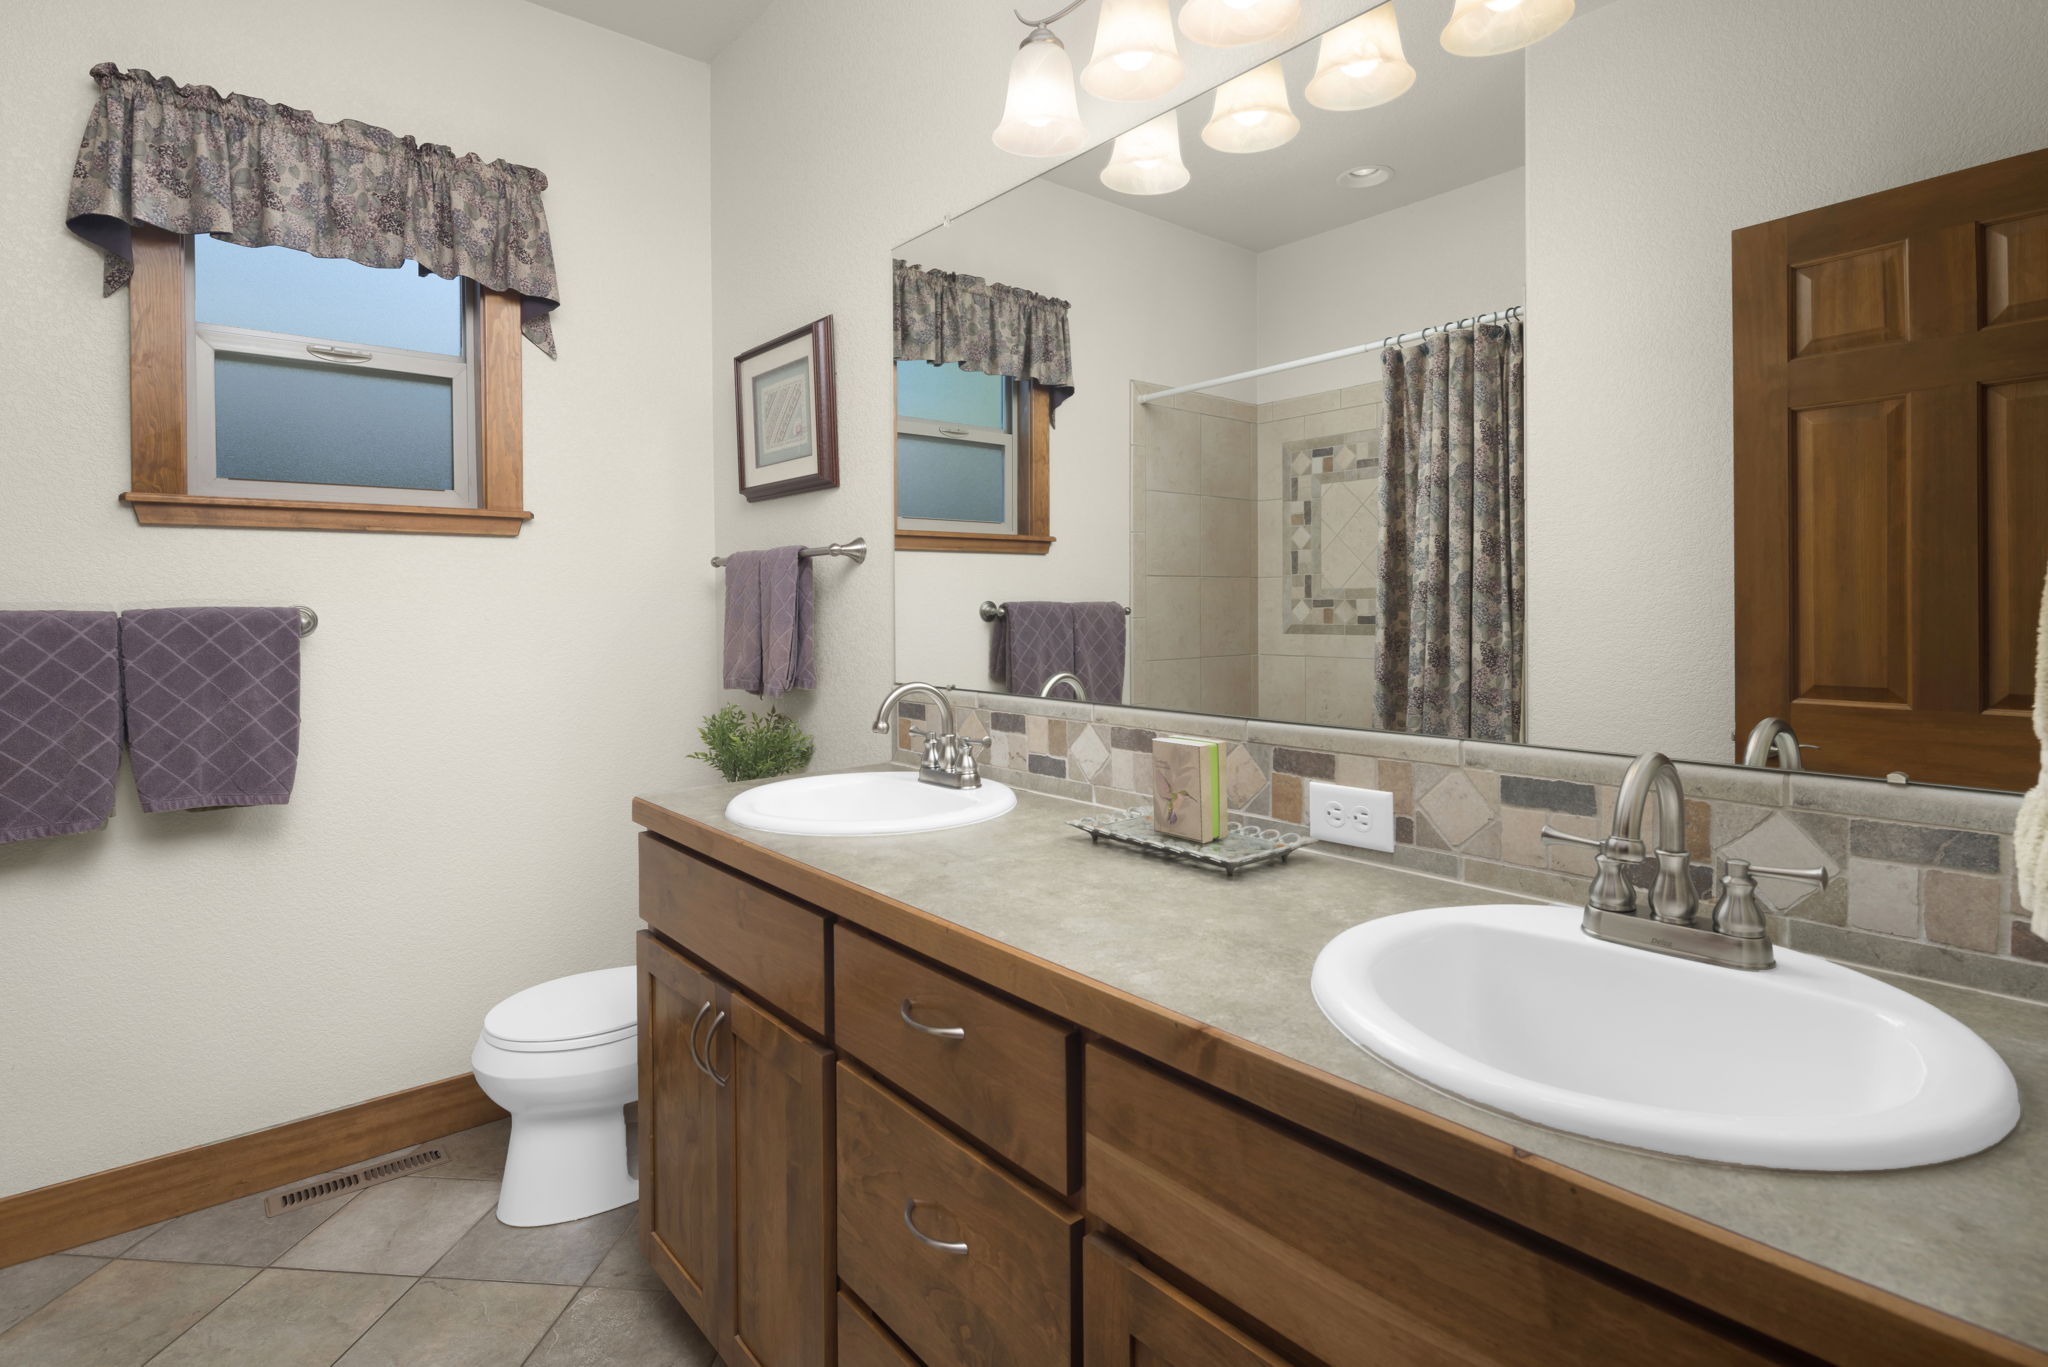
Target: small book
1187, 788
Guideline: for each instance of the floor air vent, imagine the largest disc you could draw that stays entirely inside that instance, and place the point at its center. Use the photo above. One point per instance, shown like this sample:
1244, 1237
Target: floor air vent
353, 1180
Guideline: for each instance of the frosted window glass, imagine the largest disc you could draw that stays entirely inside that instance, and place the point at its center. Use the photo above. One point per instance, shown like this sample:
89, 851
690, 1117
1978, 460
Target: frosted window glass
946, 393
308, 423
949, 481
277, 289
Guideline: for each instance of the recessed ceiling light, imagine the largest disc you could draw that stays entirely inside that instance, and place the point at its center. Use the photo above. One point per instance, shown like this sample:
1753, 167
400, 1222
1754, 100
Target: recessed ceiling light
1364, 177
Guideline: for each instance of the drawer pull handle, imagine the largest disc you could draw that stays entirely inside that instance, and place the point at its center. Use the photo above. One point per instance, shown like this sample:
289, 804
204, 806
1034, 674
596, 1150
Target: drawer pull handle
696, 1023
909, 1223
942, 1031
710, 1035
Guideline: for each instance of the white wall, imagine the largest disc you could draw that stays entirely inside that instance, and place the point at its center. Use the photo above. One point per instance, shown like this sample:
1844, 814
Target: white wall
1150, 301
840, 131
1446, 257
1656, 128
478, 712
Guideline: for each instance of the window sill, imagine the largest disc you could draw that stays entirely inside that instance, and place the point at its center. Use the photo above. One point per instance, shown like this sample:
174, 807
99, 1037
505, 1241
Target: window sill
192, 510
994, 543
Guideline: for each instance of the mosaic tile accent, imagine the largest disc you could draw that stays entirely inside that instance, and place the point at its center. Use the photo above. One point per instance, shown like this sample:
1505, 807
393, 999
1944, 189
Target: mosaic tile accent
1330, 518
1911, 892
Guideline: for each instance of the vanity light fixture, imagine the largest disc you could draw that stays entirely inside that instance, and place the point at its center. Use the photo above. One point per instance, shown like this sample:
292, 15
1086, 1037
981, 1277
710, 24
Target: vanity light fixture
1487, 28
1233, 23
1365, 177
1360, 63
1252, 114
1146, 160
1040, 116
1135, 57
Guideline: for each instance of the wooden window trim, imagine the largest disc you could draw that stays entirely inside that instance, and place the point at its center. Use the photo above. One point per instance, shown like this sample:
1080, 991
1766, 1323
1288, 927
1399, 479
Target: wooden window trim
1034, 495
156, 401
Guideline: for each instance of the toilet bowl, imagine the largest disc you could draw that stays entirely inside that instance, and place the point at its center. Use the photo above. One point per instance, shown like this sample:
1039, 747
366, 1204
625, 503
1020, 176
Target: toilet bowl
563, 1057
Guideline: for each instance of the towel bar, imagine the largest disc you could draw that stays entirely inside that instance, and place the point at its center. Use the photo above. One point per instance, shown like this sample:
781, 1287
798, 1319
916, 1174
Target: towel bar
855, 550
992, 611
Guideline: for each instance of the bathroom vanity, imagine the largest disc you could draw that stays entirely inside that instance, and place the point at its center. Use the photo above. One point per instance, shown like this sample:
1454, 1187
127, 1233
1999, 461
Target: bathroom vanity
995, 1096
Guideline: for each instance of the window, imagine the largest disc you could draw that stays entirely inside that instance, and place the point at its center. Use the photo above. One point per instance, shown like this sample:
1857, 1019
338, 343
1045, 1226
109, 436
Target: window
970, 460
277, 389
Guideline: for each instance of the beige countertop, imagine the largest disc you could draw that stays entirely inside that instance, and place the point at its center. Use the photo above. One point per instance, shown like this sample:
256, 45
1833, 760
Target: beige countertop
1969, 1238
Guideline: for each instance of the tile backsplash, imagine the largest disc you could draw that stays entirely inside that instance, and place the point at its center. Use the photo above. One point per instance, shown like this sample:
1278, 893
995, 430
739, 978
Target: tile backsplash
1923, 879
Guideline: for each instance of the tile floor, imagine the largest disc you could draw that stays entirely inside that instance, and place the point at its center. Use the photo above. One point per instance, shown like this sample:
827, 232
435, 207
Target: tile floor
413, 1273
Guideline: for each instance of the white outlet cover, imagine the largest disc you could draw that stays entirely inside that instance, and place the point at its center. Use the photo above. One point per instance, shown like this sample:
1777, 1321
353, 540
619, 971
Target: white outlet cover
1351, 816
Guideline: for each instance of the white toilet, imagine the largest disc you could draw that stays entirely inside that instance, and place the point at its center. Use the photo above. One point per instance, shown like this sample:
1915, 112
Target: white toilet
564, 1059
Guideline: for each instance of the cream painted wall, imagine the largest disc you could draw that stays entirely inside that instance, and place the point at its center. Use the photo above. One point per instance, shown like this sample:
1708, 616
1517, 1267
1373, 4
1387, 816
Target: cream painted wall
478, 712
1657, 128
840, 131
1150, 301
1445, 257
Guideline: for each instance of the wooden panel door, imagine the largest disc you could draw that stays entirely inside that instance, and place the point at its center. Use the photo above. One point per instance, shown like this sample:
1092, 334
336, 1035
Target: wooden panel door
1133, 1319
679, 1104
1891, 475
778, 1134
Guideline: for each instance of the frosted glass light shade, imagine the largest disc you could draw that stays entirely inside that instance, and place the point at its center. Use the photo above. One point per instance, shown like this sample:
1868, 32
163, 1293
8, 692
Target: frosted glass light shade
1146, 160
1040, 117
1360, 64
1252, 114
1233, 23
1135, 57
1487, 28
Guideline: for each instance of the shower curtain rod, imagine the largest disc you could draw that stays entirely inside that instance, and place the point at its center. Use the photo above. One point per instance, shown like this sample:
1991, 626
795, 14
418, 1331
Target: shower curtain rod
1361, 350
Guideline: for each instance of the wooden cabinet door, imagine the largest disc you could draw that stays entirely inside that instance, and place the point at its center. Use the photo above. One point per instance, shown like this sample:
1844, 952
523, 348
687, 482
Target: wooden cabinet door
679, 1103
1133, 1319
1891, 474
777, 1136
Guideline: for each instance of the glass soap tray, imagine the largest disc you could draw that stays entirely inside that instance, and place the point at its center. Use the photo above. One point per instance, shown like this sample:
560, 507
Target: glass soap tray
1242, 847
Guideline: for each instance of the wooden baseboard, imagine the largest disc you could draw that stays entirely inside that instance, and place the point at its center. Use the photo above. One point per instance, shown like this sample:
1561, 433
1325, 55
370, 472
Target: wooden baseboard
64, 1215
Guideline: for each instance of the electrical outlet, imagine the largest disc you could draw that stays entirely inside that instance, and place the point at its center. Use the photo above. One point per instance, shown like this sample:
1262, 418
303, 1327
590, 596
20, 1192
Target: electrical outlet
1351, 816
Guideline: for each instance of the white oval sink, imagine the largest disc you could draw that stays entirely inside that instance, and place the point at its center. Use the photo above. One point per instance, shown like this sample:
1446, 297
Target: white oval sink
894, 802
1806, 1065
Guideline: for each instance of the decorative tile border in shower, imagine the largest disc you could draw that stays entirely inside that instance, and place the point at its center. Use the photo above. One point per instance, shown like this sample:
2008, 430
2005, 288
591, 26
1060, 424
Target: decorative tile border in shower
1331, 521
1924, 878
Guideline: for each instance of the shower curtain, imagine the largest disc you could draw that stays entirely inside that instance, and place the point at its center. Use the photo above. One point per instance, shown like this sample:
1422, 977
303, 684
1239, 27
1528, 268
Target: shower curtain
1451, 567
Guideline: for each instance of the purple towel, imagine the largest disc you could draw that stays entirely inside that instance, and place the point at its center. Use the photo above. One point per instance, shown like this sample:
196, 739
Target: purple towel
768, 622
60, 722
212, 697
1031, 643
1099, 649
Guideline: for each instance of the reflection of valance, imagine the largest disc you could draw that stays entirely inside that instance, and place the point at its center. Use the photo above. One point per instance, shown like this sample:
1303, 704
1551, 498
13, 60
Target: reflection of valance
189, 160
992, 329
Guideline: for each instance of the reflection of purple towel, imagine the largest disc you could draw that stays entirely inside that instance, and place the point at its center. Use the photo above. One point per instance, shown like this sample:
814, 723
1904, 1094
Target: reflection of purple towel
1099, 650
212, 701
60, 722
1031, 643
769, 632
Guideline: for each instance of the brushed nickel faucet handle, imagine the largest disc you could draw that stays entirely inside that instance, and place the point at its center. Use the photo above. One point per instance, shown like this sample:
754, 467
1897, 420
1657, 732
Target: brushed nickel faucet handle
1611, 890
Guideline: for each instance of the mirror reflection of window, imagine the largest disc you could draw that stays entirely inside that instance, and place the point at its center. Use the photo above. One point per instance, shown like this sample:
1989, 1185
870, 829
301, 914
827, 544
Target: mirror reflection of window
956, 449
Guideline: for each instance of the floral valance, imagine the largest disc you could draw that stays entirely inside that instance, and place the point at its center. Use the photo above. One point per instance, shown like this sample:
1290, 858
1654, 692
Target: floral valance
190, 160
990, 329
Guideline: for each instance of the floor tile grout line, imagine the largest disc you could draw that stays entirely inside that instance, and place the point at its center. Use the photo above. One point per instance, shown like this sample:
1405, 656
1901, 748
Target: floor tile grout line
574, 1294
253, 1275
413, 1282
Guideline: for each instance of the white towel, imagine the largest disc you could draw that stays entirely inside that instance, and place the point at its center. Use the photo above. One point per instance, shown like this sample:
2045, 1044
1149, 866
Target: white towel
2030, 834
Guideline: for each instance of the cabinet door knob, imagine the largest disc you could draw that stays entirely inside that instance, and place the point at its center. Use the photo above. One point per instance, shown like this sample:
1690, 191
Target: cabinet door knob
696, 1023
942, 1031
910, 1223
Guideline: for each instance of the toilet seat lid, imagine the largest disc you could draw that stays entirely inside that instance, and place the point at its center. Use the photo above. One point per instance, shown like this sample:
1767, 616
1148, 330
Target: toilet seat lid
572, 1012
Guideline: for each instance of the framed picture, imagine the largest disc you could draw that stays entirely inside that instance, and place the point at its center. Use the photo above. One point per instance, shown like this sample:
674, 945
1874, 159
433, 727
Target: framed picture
785, 412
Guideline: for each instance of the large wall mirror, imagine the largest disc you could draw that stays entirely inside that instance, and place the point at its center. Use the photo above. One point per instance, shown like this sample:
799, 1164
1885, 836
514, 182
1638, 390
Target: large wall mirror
1606, 394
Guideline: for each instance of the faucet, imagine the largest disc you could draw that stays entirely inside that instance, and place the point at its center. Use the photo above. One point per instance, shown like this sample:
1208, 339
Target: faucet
1735, 936
1774, 733
948, 758
1072, 681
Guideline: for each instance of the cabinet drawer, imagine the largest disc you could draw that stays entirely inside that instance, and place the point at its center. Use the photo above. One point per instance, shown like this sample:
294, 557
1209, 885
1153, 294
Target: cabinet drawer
773, 947
865, 1343
1003, 1295
1332, 1254
1005, 1078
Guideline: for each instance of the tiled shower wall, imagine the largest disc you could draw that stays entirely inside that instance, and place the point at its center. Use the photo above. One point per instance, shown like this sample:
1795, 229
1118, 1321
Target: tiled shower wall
1923, 879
